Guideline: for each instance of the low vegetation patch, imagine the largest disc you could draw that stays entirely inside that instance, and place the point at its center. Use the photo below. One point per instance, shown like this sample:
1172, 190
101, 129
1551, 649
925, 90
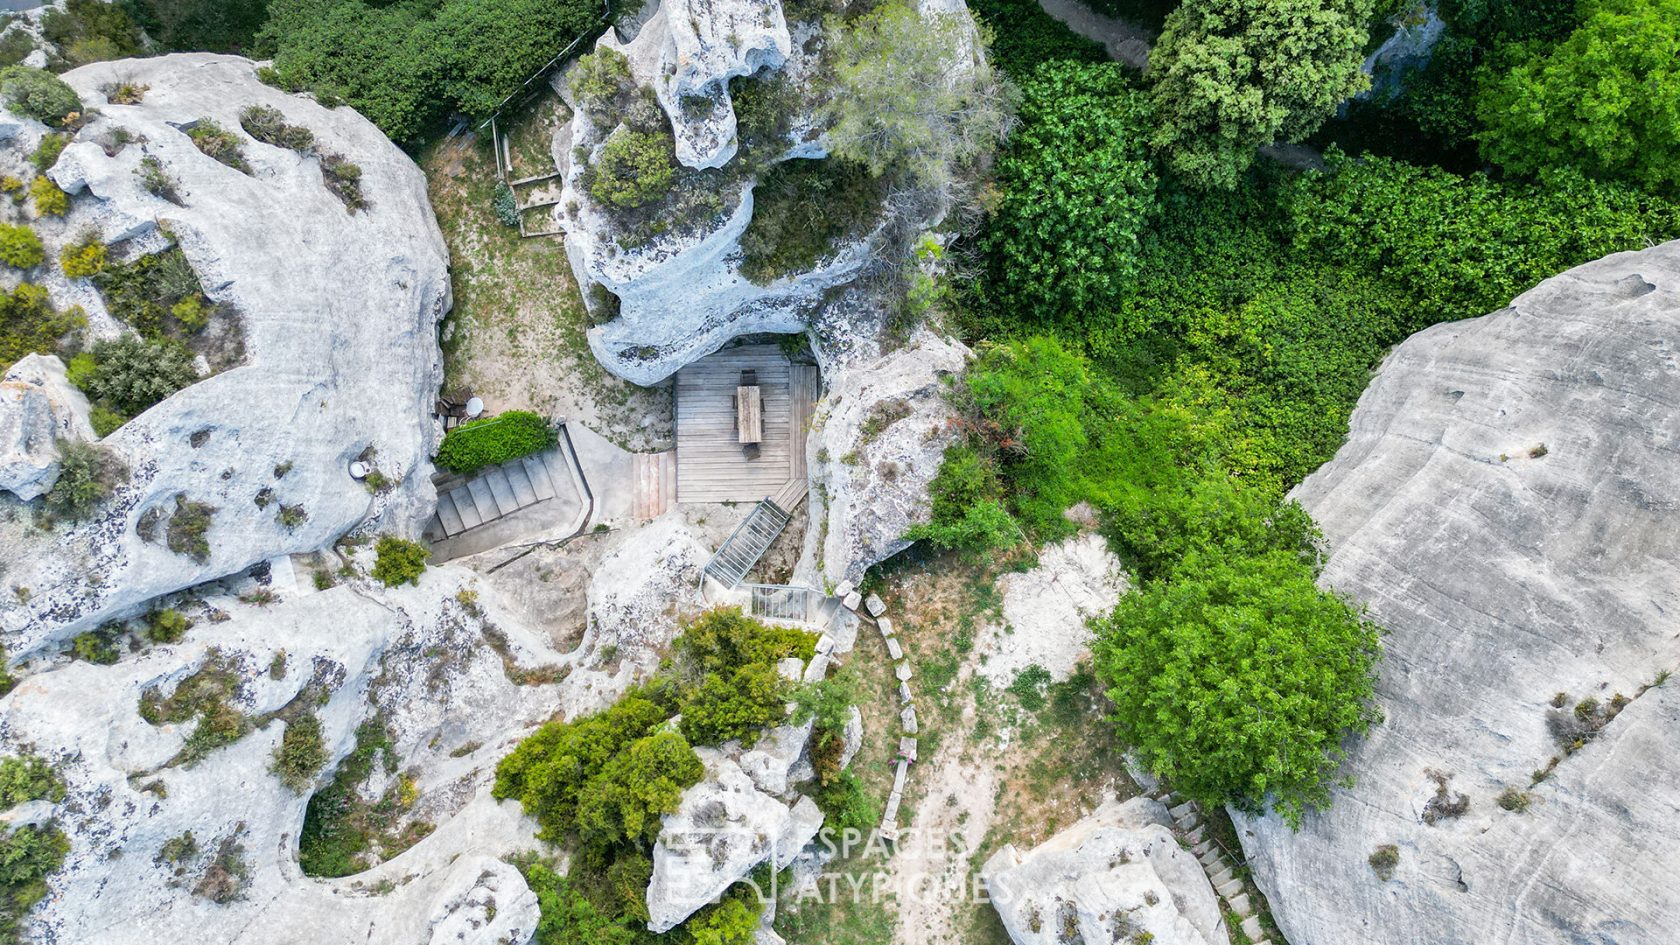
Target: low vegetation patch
493, 440
188, 530
399, 561
802, 211
633, 169
302, 753
268, 125
20, 248
28, 855
219, 143
30, 325
87, 475
344, 832
206, 696
25, 778
49, 201
39, 94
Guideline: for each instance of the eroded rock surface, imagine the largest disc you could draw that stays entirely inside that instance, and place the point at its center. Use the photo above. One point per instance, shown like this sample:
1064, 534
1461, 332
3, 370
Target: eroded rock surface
38, 407
1505, 505
339, 311
1118, 875
1045, 610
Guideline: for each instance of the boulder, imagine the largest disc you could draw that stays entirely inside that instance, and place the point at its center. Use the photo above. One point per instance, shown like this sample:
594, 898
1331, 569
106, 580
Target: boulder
709, 42
38, 407
339, 313
491, 908
1118, 875
1046, 610
1505, 507
724, 828
873, 489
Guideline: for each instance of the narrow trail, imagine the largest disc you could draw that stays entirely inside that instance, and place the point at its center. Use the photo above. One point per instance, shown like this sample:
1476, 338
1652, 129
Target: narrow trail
1124, 41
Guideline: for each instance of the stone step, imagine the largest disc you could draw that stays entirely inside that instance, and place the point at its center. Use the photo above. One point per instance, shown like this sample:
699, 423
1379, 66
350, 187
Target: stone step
471, 517
1189, 823
1183, 811
1210, 858
523, 493
1229, 889
1201, 850
537, 473
450, 519
1239, 904
1251, 927
1196, 836
497, 480
1221, 877
485, 499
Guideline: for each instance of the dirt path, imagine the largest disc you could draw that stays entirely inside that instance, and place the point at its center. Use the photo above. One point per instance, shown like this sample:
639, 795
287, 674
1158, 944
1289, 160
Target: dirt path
1125, 42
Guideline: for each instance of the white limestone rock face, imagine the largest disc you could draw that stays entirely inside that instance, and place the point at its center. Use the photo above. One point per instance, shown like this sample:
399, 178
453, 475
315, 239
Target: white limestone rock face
38, 407
492, 908
339, 313
725, 827
1046, 610
1505, 573
1118, 875
708, 43
873, 489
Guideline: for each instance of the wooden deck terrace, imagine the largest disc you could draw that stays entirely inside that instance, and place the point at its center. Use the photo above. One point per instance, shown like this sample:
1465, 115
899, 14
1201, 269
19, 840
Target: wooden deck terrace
711, 464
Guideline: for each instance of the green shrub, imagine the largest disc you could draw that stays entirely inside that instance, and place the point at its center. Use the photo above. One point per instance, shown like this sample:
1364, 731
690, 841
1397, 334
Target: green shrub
734, 921
1172, 651
157, 181
87, 475
492, 440
96, 646
599, 82
968, 512
338, 825
625, 800
29, 324
291, 516
1025, 37
802, 210
301, 754
167, 626
505, 204
38, 94
194, 25
188, 531
48, 199
15, 46
82, 261
130, 374
105, 421
28, 855
92, 31
268, 125
400, 561
219, 143
25, 778
1383, 860
344, 180
847, 804
143, 293
738, 706
46, 153
20, 248
634, 168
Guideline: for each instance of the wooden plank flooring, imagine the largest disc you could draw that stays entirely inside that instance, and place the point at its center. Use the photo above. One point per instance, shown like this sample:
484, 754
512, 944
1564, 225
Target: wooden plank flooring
711, 466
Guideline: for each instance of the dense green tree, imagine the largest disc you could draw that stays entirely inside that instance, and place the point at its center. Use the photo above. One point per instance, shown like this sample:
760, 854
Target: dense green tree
38, 94
494, 45
902, 102
735, 706
724, 639
1078, 187
1230, 76
636, 787
213, 25
1238, 679
1606, 100
568, 917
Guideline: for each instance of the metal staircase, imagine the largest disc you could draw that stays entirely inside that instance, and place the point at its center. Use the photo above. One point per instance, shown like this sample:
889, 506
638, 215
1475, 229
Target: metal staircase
747, 544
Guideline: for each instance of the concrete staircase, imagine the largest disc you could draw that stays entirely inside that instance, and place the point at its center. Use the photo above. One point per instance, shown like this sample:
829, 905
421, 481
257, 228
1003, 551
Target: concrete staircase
499, 491
1219, 866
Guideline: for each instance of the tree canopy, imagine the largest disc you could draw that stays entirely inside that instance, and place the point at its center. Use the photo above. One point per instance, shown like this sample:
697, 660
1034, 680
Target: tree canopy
1606, 100
1230, 76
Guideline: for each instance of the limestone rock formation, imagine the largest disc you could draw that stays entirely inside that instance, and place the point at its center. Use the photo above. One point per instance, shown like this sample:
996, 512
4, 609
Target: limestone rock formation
1118, 875
339, 311
1505, 506
1045, 610
873, 488
38, 407
707, 43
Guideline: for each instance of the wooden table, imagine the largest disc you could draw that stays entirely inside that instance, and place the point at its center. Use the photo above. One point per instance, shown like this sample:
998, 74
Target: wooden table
749, 413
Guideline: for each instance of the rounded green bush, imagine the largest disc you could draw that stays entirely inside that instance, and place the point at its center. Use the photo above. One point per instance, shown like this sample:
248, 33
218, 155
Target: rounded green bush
634, 169
20, 248
38, 94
